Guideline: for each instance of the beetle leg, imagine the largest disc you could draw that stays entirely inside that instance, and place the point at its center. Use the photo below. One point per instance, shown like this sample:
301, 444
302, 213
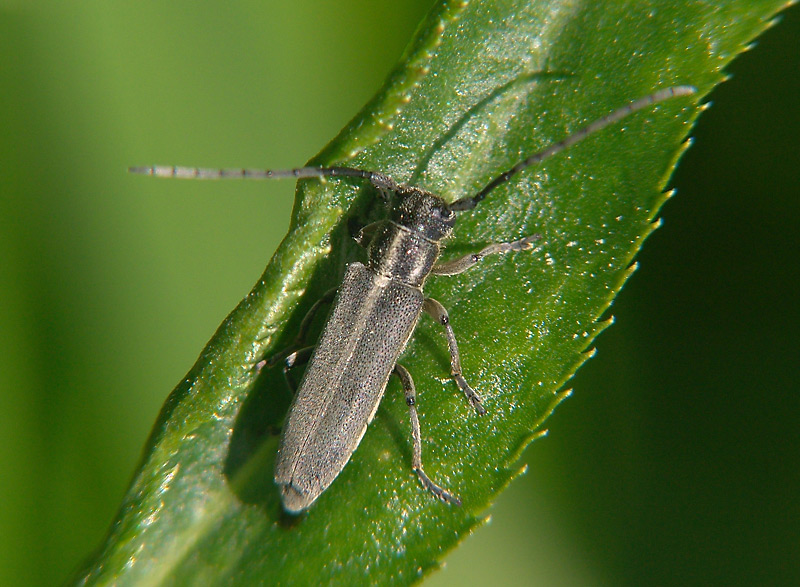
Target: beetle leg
299, 357
461, 264
364, 236
438, 313
302, 331
416, 460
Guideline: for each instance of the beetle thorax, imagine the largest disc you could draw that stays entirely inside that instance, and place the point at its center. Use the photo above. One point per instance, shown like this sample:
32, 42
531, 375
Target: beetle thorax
406, 247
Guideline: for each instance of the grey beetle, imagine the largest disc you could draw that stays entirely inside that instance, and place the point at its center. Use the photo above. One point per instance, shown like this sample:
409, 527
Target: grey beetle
374, 313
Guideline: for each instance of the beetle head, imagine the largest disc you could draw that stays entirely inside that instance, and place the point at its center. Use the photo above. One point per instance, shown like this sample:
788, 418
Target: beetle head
423, 212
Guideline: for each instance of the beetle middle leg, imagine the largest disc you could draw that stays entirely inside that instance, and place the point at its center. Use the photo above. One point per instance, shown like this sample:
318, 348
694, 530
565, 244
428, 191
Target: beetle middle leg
302, 331
416, 460
461, 264
295, 354
439, 313
298, 357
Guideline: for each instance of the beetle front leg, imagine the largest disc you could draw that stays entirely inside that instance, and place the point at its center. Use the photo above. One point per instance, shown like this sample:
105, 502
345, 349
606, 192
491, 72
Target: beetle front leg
364, 235
416, 460
438, 313
460, 265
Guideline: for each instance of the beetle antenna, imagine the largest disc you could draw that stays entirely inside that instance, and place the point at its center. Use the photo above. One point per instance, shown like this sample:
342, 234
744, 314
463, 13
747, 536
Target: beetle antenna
377, 179
470, 202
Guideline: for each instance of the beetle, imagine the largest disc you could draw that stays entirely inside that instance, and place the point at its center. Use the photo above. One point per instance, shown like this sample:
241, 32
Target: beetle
373, 316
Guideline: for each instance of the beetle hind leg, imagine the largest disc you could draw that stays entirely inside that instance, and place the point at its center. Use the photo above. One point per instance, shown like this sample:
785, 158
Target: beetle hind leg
416, 460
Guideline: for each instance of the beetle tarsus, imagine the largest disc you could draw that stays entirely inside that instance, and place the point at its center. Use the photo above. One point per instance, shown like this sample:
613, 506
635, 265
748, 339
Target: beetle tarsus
472, 396
439, 492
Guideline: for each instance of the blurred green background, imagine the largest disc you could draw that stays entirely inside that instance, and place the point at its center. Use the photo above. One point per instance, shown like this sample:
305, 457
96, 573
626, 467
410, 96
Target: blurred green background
674, 463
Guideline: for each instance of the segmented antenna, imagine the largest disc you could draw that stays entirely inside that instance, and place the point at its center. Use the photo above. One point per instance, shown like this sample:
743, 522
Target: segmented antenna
468, 203
383, 181
377, 179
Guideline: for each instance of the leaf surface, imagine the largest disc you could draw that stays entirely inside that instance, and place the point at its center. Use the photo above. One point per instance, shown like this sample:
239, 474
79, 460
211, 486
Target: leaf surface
482, 85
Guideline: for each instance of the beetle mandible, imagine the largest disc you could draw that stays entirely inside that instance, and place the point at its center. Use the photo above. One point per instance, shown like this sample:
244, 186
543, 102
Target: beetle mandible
374, 313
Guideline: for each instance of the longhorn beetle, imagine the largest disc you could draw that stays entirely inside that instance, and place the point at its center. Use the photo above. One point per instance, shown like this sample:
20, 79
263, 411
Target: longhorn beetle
374, 313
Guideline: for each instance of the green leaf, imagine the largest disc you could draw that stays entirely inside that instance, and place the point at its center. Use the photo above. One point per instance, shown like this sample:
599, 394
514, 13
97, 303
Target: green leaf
482, 84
